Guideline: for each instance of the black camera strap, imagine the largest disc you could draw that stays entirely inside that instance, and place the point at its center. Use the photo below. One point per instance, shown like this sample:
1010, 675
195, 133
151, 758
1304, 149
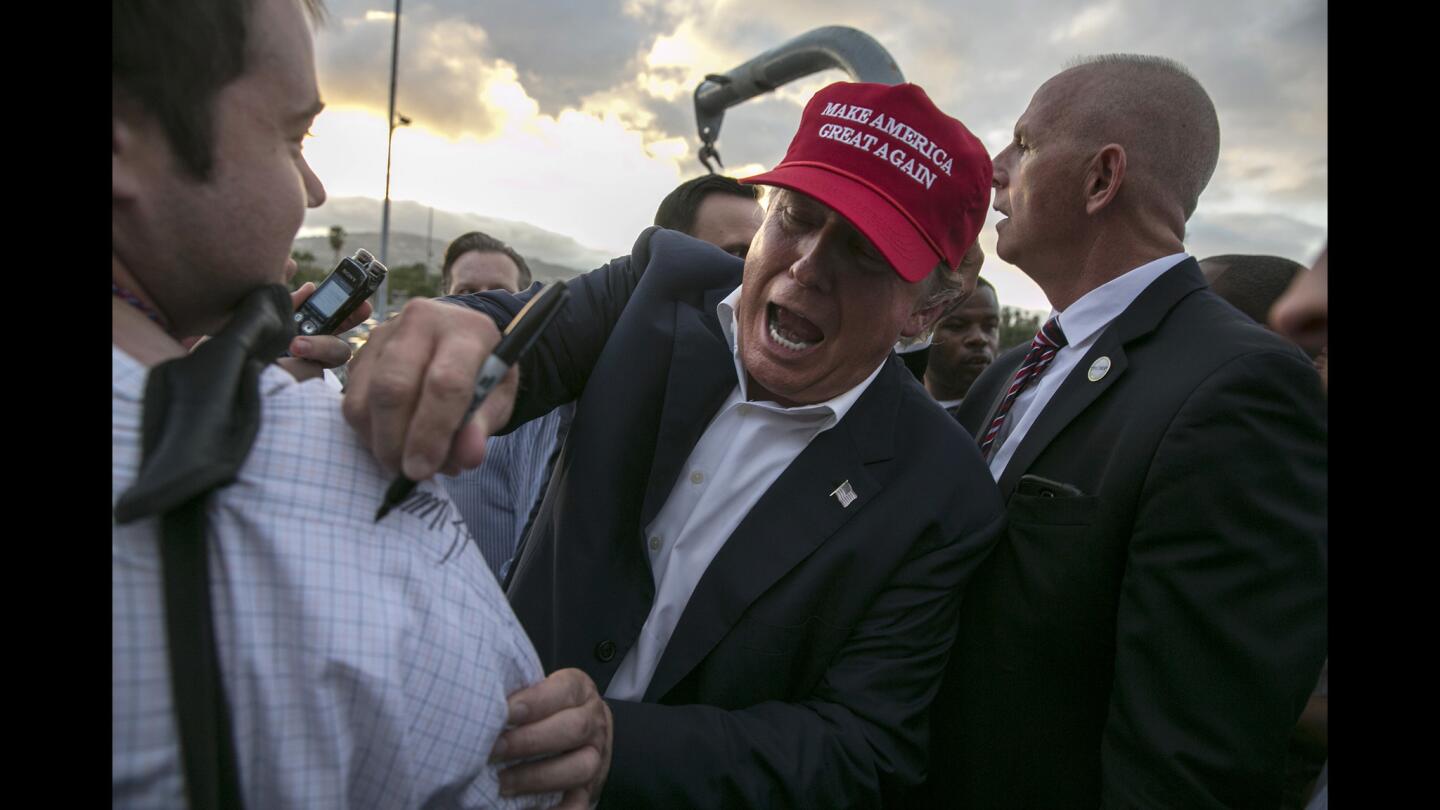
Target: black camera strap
207, 745
200, 418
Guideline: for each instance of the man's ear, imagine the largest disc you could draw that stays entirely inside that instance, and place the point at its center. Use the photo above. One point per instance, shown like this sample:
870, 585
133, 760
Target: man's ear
1104, 177
128, 153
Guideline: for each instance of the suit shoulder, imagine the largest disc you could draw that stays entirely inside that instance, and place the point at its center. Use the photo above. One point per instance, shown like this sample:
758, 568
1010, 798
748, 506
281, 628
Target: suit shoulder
676, 264
1204, 335
929, 436
918, 408
1207, 352
1207, 326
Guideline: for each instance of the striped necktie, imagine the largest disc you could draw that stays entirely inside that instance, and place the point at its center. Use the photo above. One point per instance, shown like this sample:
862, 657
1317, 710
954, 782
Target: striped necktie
1047, 342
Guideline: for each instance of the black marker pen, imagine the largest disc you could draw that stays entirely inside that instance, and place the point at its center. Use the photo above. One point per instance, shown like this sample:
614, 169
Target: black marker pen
522, 332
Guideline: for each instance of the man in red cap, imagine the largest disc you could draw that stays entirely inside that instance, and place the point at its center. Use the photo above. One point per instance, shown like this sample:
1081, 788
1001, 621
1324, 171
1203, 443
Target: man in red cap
757, 535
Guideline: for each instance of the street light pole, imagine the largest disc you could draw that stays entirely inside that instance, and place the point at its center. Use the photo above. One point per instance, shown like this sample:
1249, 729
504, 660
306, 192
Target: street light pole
382, 296
429, 235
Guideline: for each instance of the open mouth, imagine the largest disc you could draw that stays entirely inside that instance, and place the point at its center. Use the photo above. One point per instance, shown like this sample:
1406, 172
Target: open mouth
791, 331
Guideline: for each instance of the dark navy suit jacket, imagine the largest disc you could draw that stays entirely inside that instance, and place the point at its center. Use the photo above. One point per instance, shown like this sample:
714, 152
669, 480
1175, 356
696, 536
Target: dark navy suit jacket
801, 669
1150, 641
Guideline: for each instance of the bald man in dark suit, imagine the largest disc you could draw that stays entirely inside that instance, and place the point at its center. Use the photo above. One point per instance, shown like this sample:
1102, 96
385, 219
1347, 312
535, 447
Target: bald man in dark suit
1148, 629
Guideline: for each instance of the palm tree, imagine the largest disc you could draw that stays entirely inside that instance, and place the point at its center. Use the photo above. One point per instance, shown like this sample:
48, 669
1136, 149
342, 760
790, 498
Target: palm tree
337, 240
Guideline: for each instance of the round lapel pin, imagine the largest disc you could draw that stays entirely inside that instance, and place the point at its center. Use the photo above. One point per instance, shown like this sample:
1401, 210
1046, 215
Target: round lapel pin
1098, 369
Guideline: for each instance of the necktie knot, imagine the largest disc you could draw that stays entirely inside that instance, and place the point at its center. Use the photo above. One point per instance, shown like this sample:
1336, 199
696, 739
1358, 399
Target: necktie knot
1050, 335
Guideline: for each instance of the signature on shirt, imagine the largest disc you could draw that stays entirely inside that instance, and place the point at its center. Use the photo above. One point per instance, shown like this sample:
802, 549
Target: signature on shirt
435, 510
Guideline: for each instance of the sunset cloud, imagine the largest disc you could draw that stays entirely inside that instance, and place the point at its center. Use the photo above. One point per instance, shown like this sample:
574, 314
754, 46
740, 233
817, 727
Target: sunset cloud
578, 117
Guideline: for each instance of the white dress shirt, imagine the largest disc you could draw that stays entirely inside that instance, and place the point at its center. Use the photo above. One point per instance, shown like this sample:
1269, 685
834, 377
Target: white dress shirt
366, 664
1082, 323
741, 453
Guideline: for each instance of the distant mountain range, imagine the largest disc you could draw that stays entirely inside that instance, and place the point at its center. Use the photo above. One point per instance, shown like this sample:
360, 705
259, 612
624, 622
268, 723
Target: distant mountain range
409, 248
550, 255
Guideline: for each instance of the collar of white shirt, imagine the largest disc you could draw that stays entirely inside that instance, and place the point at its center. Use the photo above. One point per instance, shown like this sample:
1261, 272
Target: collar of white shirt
1093, 311
835, 408
1083, 322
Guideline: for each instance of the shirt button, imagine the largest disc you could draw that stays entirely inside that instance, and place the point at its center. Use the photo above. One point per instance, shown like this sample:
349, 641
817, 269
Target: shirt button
655, 543
605, 651
697, 477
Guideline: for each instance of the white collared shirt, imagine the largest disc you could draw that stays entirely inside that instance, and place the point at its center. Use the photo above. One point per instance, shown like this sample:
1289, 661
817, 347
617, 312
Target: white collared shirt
1082, 324
741, 453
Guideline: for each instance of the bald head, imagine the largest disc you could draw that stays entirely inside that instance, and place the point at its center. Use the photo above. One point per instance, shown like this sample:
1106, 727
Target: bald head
1155, 110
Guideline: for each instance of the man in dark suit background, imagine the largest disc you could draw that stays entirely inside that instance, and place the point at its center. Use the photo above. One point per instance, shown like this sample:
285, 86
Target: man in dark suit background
1147, 631
760, 525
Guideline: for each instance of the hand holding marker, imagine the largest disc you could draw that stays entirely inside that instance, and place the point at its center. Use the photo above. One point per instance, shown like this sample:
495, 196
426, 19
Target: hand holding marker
522, 332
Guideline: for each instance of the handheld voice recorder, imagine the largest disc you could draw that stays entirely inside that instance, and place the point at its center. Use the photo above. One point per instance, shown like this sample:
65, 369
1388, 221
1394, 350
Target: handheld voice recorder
353, 280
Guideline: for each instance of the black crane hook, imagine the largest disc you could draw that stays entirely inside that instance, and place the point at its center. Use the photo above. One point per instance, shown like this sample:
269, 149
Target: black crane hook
707, 151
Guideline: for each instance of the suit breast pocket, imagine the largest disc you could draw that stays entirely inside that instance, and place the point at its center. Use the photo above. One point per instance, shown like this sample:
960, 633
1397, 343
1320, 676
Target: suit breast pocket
1061, 568
1043, 510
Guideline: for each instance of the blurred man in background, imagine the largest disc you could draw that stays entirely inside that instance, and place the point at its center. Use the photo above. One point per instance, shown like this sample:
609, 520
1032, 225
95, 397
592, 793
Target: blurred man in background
716, 209
499, 498
1252, 283
964, 345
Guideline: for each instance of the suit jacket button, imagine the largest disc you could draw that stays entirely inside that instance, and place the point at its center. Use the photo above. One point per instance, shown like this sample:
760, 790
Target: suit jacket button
605, 651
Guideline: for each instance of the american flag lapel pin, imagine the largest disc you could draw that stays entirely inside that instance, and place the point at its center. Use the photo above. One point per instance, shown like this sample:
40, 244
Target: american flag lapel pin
845, 494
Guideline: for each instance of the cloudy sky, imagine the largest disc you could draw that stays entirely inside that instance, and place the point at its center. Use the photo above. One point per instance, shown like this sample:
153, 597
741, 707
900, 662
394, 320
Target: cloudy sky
577, 117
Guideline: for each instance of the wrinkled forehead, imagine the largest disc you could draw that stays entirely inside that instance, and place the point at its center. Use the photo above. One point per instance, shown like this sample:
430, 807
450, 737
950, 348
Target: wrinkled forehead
723, 205
475, 260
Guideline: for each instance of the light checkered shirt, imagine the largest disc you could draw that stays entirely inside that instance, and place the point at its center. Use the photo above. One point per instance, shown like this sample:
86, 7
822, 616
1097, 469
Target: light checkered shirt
366, 665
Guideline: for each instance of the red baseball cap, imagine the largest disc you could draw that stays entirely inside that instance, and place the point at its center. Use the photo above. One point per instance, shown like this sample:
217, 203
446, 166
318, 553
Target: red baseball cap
908, 176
